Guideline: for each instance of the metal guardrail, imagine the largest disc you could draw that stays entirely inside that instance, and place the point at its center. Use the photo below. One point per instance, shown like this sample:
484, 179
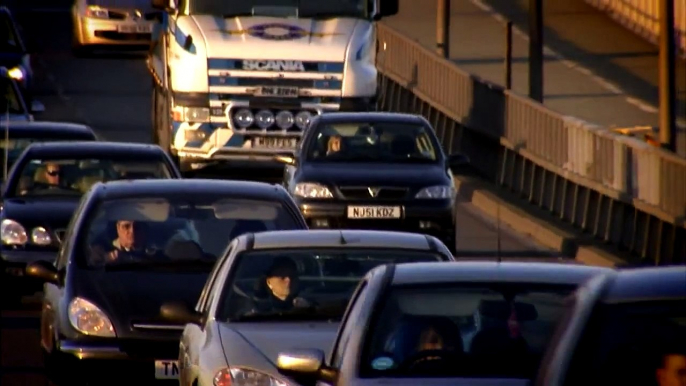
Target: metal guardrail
643, 18
617, 188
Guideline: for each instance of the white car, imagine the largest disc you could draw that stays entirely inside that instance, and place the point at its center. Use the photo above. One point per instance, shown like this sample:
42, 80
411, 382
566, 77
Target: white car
111, 23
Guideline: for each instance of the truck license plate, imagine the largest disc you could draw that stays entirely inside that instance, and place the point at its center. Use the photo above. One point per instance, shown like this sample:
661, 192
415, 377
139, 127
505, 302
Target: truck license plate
276, 91
275, 142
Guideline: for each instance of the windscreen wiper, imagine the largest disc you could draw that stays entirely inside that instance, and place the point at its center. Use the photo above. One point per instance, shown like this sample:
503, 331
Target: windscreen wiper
328, 15
152, 265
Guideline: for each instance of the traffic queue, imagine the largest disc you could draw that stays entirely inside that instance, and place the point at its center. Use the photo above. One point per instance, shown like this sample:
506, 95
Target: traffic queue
348, 272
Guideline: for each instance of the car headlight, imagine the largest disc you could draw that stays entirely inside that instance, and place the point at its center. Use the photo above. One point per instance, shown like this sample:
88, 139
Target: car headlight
40, 236
12, 233
436, 192
244, 377
88, 319
16, 73
96, 12
312, 190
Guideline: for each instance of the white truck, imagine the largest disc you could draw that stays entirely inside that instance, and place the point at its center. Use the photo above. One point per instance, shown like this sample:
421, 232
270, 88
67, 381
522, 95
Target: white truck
239, 80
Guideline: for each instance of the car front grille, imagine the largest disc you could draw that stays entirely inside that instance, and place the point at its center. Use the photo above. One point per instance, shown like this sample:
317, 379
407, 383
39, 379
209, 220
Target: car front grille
373, 193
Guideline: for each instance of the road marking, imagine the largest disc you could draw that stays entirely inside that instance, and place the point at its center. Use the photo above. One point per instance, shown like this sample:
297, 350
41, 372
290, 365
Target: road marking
639, 103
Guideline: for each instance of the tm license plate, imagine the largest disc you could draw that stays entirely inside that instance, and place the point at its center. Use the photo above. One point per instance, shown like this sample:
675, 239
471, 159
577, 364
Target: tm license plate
276, 91
275, 142
373, 212
166, 370
134, 29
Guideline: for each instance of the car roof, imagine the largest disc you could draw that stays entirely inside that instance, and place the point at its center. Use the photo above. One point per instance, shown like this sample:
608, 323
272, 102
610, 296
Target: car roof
494, 271
92, 148
645, 284
69, 127
323, 238
183, 187
370, 116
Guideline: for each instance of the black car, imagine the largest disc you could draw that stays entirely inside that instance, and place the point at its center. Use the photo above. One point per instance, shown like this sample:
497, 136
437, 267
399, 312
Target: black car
626, 327
13, 105
37, 203
374, 171
14, 54
132, 247
18, 135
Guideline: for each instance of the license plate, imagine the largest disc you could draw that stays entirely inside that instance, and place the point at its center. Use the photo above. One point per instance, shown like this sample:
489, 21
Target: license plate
166, 369
275, 142
134, 29
283, 92
373, 212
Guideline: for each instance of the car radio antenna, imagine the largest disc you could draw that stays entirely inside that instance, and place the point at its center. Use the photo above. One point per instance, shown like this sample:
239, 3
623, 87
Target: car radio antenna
498, 240
7, 140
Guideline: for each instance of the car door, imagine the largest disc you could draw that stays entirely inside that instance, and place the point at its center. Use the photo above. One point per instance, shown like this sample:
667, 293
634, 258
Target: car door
194, 336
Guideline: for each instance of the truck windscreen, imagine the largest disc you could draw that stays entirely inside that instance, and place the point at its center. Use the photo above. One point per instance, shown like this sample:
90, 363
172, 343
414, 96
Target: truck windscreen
299, 8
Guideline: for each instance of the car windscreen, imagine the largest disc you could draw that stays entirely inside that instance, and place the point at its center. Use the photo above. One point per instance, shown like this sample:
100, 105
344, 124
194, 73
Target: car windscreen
17, 143
462, 331
380, 142
9, 41
74, 177
312, 284
156, 232
296, 8
631, 343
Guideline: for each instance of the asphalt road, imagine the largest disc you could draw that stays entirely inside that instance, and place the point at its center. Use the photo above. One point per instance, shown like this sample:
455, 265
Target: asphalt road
112, 93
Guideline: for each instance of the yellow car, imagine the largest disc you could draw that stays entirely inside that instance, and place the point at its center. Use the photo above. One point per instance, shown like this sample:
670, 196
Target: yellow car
111, 23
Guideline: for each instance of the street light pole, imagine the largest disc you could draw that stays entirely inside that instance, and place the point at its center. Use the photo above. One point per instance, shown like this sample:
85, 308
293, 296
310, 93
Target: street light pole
667, 76
443, 28
536, 50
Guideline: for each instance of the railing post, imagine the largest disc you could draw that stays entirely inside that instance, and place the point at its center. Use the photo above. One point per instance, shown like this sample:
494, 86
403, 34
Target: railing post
508, 55
667, 76
443, 28
536, 50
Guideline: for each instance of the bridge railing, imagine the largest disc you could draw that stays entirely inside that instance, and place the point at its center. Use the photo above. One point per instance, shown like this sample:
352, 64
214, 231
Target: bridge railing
617, 188
643, 17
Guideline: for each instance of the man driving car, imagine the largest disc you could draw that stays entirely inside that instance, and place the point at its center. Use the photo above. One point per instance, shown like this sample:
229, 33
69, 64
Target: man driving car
129, 244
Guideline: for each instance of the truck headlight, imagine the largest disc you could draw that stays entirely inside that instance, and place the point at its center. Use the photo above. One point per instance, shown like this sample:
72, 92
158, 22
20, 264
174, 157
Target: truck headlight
302, 119
16, 73
236, 376
436, 192
40, 236
88, 319
12, 233
196, 114
312, 190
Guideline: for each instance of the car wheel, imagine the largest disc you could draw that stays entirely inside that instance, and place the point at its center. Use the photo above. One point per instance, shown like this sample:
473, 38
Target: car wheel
59, 371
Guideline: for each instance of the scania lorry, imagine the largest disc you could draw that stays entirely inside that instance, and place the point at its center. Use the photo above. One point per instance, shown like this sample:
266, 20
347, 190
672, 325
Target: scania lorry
239, 80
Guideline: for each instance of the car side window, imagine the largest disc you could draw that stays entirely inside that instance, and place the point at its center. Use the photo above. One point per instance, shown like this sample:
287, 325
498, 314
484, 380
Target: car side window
204, 296
349, 324
67, 238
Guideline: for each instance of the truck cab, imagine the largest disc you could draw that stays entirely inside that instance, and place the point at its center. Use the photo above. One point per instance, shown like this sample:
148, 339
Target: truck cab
239, 80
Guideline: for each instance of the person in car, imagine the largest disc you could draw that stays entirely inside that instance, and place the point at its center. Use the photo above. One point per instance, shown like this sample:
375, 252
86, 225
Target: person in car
130, 244
672, 370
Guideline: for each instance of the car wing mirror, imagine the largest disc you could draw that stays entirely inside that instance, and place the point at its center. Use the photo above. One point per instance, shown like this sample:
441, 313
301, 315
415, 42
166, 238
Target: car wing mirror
180, 313
44, 271
286, 159
457, 161
37, 107
305, 365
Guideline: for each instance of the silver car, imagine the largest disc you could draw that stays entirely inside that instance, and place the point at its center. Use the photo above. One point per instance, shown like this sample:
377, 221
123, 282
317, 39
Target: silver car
463, 323
111, 22
275, 290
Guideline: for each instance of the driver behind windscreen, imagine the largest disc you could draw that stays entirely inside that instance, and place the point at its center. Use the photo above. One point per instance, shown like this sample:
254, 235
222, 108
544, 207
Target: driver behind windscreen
130, 244
278, 291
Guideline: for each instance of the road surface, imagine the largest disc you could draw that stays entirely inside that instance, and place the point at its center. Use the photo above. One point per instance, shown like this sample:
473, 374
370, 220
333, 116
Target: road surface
112, 93
594, 68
